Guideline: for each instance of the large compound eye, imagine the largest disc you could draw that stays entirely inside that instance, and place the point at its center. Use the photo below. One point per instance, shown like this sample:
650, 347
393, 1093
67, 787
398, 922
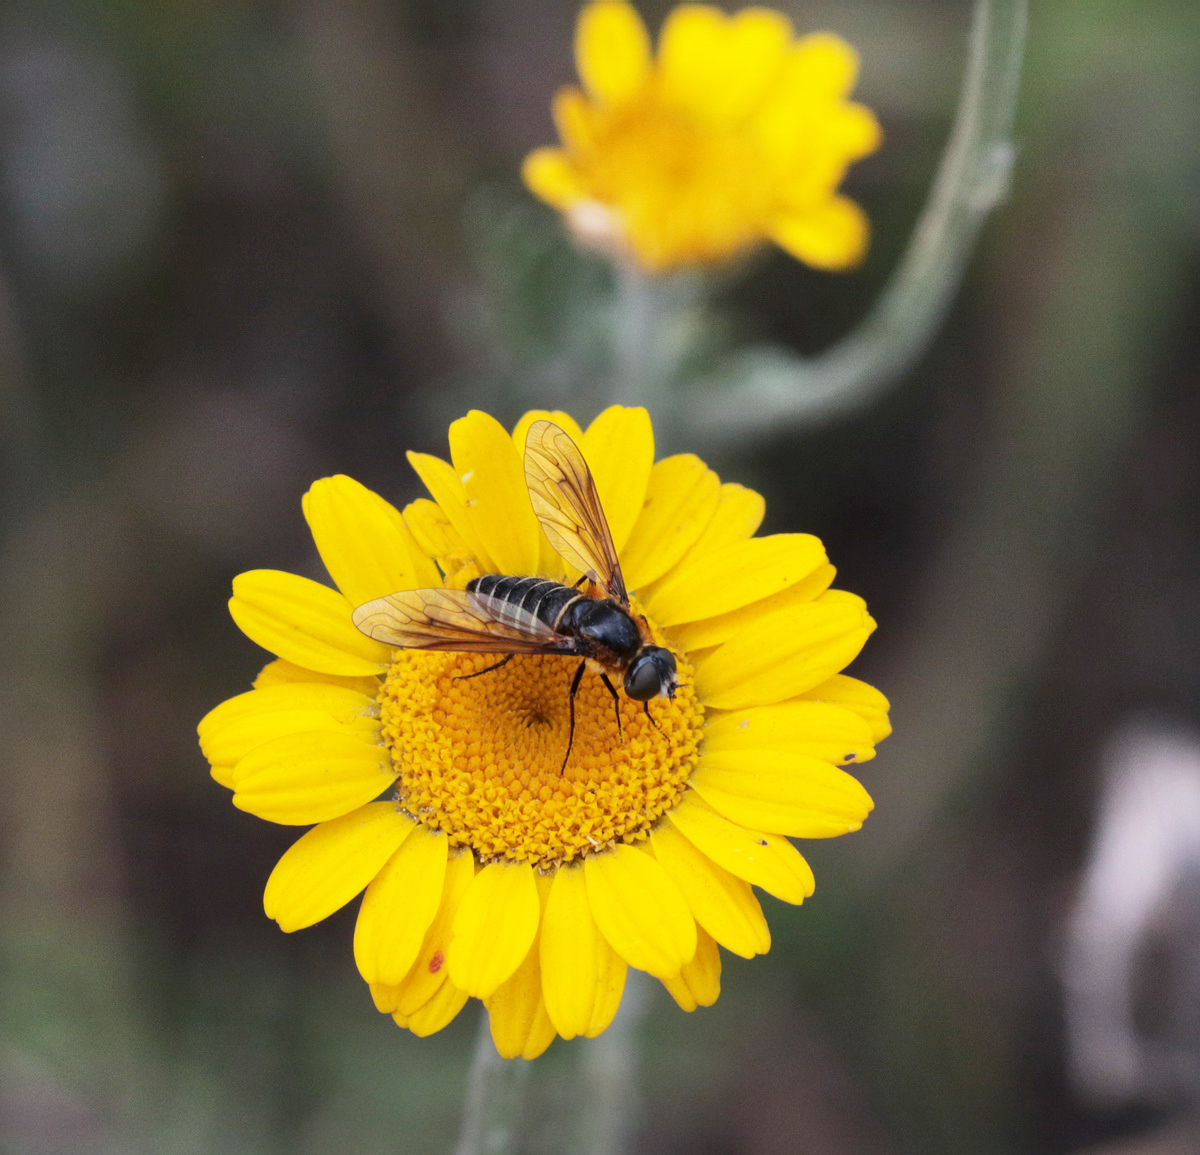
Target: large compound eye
652, 673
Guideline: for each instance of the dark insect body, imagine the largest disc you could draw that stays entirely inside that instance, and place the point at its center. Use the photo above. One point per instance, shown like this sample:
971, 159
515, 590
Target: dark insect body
510, 615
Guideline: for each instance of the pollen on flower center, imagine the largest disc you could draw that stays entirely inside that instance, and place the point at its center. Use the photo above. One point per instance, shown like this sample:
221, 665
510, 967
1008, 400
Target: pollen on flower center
481, 758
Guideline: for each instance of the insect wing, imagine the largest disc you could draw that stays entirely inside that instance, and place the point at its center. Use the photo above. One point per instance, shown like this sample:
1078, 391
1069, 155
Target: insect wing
438, 619
565, 500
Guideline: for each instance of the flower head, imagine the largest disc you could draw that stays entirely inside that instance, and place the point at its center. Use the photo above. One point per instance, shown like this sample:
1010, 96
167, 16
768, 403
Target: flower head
492, 868
735, 134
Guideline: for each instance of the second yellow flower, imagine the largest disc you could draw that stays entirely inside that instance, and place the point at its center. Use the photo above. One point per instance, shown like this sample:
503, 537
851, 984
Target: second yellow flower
737, 133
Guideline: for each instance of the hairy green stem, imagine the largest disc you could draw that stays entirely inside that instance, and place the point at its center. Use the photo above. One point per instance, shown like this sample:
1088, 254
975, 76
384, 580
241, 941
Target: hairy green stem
633, 322
495, 1099
766, 387
610, 1104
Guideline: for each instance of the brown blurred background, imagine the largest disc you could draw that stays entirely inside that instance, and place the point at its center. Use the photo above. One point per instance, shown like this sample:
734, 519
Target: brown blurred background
244, 245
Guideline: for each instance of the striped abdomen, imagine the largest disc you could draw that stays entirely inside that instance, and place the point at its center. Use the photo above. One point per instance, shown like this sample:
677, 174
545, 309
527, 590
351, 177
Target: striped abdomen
541, 598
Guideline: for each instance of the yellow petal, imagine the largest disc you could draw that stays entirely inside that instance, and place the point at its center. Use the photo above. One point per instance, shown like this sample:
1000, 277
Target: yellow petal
494, 927
735, 576
493, 480
788, 860
576, 119
521, 1028
432, 531
619, 448
399, 906
809, 145
833, 235
551, 176
681, 497
857, 131
723, 905
231, 730
761, 860
581, 974
844, 598
446, 487
823, 65
304, 778
782, 654
304, 622
866, 701
281, 673
699, 983
738, 515
333, 862
719, 68
699, 635
801, 128
384, 997
445, 1004
222, 774
429, 970
640, 910
363, 541
612, 50
781, 792
818, 729
560, 417
609, 989
691, 41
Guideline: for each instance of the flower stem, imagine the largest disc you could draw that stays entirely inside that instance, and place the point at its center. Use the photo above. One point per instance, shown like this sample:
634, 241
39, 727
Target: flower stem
634, 368
609, 1099
761, 388
495, 1097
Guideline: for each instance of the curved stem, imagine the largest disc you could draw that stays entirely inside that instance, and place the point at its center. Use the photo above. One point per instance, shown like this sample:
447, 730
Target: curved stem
495, 1097
632, 334
764, 387
610, 1102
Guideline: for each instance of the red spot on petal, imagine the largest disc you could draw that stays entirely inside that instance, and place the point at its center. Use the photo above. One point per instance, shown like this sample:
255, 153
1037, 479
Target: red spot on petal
435, 963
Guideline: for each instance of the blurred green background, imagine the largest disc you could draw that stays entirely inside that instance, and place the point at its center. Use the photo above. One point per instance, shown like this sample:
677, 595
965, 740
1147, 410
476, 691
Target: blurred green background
244, 245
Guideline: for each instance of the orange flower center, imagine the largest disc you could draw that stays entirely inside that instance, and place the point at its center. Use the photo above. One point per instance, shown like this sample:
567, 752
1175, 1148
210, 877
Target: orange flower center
482, 758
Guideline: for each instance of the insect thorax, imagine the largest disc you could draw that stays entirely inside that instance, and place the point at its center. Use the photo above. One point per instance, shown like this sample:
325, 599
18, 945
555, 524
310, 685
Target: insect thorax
605, 625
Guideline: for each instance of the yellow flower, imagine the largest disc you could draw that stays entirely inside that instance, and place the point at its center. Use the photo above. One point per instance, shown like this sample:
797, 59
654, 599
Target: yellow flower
737, 133
490, 869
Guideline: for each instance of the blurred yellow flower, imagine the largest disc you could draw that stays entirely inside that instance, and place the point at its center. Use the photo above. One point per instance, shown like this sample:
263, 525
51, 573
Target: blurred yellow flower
737, 133
493, 869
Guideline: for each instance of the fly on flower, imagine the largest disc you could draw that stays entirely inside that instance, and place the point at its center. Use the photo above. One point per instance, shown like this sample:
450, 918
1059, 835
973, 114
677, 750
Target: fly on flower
499, 614
488, 870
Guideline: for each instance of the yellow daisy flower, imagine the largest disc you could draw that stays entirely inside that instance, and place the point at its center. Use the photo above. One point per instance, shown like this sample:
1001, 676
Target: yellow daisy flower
737, 133
492, 869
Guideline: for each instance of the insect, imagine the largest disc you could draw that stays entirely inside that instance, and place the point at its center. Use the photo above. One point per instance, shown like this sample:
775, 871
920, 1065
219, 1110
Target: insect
510, 615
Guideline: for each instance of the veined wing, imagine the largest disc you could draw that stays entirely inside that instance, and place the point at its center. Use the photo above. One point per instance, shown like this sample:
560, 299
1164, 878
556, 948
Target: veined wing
438, 619
564, 497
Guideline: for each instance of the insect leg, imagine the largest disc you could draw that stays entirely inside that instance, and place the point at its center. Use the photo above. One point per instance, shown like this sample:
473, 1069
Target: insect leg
616, 703
571, 701
487, 669
646, 707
